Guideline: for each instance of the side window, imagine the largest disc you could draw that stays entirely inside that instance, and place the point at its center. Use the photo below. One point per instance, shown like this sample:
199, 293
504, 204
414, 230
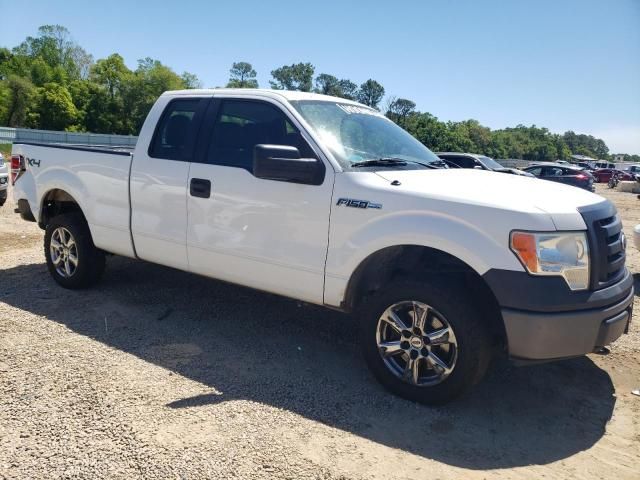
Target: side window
175, 133
462, 162
536, 171
466, 162
243, 124
552, 172
450, 163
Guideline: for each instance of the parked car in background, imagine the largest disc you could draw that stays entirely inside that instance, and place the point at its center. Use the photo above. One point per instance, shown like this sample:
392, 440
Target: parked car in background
560, 173
604, 165
633, 170
636, 236
480, 162
605, 174
4, 180
585, 166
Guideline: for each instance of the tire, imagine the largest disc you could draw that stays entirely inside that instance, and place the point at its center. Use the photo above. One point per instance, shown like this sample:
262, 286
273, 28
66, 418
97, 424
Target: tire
89, 260
449, 306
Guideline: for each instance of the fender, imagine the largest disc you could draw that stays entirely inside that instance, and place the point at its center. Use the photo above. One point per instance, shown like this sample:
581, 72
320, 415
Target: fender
55, 178
455, 236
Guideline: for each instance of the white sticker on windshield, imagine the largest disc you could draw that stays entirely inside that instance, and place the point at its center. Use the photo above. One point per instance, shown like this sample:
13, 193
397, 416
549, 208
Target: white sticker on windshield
351, 109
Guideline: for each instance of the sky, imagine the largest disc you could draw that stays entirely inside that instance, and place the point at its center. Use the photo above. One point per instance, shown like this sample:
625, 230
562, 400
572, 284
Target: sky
565, 65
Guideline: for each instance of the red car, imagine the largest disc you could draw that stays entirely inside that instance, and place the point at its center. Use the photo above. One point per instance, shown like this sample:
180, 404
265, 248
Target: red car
604, 174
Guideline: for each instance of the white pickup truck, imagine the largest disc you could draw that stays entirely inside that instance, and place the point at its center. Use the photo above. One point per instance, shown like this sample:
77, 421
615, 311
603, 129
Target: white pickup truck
326, 201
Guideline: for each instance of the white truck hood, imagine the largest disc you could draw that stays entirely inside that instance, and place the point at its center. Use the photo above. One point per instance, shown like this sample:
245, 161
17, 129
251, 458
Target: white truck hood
499, 190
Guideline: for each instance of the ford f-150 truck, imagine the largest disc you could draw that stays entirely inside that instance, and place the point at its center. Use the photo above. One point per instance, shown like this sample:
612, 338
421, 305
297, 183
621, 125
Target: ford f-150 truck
326, 201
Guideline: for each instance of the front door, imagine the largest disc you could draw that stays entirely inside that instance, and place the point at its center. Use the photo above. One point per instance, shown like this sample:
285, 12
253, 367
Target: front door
266, 234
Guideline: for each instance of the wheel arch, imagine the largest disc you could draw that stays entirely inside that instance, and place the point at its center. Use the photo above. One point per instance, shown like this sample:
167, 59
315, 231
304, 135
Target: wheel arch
57, 201
414, 262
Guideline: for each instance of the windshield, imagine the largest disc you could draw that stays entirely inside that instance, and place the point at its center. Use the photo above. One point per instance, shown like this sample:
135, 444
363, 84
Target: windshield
490, 162
355, 134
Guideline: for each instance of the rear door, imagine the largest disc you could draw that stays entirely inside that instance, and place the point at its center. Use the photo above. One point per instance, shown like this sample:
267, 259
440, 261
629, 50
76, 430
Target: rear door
604, 175
159, 179
267, 234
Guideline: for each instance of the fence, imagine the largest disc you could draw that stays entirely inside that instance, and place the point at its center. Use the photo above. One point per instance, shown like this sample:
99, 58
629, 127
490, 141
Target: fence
14, 135
513, 163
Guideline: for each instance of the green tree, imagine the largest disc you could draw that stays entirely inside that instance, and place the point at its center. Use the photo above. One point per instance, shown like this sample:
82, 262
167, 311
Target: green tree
54, 46
399, 109
348, 89
327, 84
111, 73
370, 93
242, 75
54, 108
298, 76
18, 94
190, 80
148, 82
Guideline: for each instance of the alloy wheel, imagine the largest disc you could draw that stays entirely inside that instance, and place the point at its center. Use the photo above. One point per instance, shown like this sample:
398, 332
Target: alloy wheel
416, 343
64, 252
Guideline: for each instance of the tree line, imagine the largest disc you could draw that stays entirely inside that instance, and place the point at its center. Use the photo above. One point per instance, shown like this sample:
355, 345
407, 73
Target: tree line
50, 82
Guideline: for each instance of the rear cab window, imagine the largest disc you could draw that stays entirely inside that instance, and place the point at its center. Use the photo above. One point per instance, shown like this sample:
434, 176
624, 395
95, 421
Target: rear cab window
175, 134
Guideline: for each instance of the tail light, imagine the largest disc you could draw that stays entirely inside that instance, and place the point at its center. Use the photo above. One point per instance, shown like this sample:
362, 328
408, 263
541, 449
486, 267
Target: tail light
581, 177
17, 167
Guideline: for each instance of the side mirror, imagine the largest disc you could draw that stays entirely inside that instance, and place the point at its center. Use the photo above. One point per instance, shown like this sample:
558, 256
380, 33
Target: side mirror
283, 163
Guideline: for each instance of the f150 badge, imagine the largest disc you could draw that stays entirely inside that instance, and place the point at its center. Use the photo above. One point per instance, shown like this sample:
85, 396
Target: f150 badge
351, 202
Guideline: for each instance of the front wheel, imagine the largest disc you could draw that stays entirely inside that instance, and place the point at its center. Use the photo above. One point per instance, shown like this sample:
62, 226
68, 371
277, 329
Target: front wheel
72, 259
424, 342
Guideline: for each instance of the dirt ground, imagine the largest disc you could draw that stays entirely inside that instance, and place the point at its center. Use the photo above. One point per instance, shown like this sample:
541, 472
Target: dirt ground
157, 373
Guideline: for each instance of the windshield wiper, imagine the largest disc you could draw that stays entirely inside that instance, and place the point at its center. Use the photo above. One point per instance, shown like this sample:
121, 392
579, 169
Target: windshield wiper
393, 162
380, 162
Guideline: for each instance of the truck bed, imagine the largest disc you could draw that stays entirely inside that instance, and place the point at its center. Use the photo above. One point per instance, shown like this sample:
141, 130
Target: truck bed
96, 177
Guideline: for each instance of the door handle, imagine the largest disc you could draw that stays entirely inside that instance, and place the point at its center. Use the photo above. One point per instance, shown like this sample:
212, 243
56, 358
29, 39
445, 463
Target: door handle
200, 187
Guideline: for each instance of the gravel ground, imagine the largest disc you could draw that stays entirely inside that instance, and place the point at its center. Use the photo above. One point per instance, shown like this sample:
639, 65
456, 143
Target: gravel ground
156, 373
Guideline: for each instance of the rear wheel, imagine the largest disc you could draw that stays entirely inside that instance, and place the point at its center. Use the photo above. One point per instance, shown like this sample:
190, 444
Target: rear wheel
72, 259
424, 342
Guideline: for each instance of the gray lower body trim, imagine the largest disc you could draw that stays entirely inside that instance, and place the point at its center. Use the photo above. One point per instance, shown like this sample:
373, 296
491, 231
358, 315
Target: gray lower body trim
550, 336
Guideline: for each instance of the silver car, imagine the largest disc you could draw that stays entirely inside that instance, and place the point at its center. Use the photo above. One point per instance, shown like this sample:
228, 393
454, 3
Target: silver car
4, 180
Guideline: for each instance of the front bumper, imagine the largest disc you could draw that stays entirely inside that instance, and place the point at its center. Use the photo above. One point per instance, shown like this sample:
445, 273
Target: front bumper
594, 319
549, 336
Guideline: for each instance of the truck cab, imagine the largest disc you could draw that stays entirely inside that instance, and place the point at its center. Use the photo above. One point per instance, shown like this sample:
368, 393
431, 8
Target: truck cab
326, 201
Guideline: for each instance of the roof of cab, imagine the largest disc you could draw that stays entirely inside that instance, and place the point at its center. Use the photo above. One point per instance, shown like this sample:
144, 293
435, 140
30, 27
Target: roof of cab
265, 92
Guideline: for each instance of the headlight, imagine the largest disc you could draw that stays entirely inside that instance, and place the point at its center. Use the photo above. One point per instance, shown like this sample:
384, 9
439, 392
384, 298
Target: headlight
549, 253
